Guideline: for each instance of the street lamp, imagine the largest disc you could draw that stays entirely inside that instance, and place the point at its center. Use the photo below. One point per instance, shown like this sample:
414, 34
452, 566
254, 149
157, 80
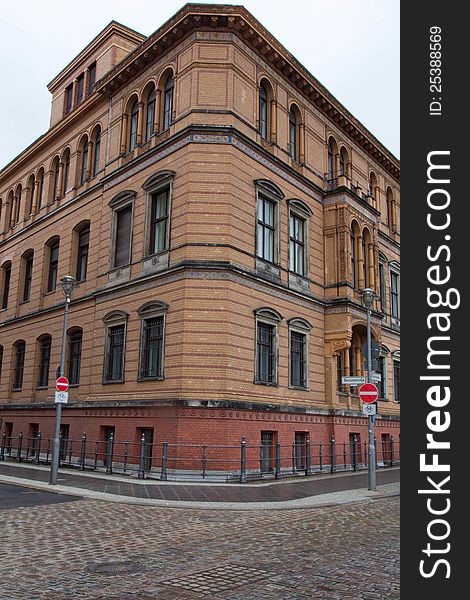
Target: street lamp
67, 283
368, 296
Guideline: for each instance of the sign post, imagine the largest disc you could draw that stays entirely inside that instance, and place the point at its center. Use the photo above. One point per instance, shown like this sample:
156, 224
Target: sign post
370, 390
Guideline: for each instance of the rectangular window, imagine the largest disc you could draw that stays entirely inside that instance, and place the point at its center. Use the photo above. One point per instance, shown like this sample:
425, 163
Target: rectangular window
298, 359
115, 354
80, 89
91, 77
68, 99
19, 366
396, 380
123, 236
159, 222
353, 260
381, 370
82, 253
44, 362
266, 353
297, 245
75, 355
265, 234
53, 267
6, 285
395, 294
152, 348
28, 277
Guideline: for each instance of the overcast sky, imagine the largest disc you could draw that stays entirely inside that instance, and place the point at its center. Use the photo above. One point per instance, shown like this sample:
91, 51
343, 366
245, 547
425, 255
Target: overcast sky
350, 46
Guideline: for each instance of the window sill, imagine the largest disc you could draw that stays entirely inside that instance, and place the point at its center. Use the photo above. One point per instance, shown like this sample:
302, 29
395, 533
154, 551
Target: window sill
268, 383
143, 379
298, 387
104, 382
42, 388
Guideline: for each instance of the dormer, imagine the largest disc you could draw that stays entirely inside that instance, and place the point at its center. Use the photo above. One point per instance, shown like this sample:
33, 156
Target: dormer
76, 81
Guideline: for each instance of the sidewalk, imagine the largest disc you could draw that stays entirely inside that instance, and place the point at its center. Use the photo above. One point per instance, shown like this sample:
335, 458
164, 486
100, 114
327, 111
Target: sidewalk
317, 490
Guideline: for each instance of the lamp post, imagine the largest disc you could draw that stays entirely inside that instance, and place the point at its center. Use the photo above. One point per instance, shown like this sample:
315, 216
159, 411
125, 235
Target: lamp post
368, 296
67, 283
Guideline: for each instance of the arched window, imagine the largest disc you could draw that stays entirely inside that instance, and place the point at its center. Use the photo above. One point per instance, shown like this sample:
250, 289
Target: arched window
52, 252
84, 161
44, 354
96, 151
29, 196
390, 207
168, 102
293, 142
134, 125
368, 259
332, 158
6, 278
344, 162
83, 240
355, 236
40, 187
55, 178
27, 273
19, 349
75, 337
19, 191
263, 112
66, 163
1, 361
150, 115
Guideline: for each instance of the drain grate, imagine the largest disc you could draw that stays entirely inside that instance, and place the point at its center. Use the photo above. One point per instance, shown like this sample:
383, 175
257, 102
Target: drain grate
218, 579
116, 567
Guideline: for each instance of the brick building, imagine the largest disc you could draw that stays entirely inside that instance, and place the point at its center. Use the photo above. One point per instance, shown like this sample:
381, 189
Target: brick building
221, 211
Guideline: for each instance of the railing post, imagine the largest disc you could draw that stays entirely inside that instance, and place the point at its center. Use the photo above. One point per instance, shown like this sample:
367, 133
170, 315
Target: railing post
320, 457
20, 445
164, 473
126, 454
204, 461
83, 452
345, 458
97, 447
308, 467
141, 474
354, 457
2, 448
277, 472
375, 448
48, 450
243, 460
392, 459
109, 455
38, 447
333, 454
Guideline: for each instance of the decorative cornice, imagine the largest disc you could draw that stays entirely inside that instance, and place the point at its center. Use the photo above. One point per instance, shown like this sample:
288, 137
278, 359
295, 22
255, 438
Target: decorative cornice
238, 21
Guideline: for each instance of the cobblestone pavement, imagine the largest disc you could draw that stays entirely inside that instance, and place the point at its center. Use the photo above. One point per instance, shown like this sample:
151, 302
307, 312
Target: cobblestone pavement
88, 549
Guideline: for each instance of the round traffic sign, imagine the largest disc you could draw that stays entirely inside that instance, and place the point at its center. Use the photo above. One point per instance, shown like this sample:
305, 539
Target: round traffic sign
368, 393
62, 384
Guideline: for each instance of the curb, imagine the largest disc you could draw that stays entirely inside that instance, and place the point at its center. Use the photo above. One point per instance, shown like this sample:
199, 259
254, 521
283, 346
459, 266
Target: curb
320, 501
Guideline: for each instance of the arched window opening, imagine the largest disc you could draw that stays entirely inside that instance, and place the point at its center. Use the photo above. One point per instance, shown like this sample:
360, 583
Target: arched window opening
83, 240
96, 151
134, 125
66, 162
293, 135
150, 115
55, 180
168, 102
27, 268
263, 112
84, 162
6, 278
53, 264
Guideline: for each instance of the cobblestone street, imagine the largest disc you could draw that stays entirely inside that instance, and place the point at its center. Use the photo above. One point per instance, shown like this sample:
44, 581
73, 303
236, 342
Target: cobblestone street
88, 549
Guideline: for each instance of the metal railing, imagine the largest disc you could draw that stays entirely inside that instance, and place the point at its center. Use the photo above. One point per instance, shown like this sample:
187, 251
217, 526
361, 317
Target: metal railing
185, 462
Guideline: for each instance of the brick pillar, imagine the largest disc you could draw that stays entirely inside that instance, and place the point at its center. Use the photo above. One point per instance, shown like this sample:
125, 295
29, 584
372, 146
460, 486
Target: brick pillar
158, 111
360, 262
74, 94
140, 124
273, 121
86, 82
34, 204
13, 211
124, 122
60, 182
302, 143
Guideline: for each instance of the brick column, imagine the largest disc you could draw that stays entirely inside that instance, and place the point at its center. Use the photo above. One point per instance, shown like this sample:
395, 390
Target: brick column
89, 161
34, 204
60, 181
140, 124
360, 263
86, 82
13, 211
158, 111
124, 122
273, 121
74, 94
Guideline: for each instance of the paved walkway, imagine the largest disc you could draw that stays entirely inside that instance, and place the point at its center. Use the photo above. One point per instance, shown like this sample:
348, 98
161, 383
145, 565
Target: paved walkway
289, 493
